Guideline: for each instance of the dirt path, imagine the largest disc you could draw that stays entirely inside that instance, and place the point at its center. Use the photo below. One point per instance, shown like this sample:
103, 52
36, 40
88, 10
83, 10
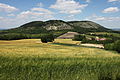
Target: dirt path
93, 45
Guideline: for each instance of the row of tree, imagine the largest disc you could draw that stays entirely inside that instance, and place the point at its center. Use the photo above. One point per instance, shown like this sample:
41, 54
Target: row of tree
109, 44
44, 37
14, 36
83, 39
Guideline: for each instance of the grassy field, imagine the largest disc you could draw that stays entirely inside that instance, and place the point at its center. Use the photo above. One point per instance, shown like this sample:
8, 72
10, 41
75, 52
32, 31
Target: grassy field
64, 60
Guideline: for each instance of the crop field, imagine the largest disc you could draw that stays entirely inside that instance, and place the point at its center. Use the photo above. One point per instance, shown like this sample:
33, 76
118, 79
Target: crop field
61, 60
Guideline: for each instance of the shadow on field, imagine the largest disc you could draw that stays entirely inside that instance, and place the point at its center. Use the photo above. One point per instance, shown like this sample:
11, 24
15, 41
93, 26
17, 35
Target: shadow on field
65, 44
74, 45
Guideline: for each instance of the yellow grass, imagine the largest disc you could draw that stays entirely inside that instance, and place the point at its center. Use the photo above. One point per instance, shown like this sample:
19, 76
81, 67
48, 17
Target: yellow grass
33, 47
62, 60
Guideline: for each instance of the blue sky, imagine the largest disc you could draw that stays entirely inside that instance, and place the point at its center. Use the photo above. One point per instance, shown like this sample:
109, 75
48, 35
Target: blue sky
14, 13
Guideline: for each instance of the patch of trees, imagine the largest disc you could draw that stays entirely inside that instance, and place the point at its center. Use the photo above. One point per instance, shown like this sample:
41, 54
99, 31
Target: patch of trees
113, 46
14, 36
112, 43
93, 41
111, 36
79, 37
47, 38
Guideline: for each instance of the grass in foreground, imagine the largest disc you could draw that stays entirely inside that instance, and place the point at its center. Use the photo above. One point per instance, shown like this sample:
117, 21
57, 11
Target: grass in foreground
32, 60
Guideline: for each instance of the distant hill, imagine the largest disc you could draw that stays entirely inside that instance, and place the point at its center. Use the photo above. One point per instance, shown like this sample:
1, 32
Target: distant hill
2, 29
87, 26
37, 27
116, 29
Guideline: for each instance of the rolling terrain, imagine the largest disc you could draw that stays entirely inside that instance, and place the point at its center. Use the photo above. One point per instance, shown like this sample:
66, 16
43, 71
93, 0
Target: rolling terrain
62, 60
37, 27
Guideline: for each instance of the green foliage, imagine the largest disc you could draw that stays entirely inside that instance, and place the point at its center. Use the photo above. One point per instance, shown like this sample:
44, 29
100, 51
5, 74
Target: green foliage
93, 41
113, 46
47, 38
17, 36
109, 46
79, 37
117, 46
112, 36
14, 36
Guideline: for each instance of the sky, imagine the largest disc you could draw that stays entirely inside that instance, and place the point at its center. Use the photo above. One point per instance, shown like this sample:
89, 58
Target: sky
14, 13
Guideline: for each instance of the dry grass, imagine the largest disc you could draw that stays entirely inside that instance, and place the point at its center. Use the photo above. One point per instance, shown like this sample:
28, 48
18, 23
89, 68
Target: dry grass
35, 47
63, 60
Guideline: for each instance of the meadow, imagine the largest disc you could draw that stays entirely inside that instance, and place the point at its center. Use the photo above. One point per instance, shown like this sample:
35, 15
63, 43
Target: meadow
30, 59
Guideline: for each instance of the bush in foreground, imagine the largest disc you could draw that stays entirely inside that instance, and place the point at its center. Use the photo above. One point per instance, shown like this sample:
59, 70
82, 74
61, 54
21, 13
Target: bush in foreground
47, 38
117, 46
113, 46
79, 37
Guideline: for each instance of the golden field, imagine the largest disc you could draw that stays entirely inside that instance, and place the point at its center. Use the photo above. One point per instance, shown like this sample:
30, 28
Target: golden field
61, 60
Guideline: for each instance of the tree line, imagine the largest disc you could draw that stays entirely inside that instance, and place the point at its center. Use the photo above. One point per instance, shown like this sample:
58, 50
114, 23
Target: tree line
111, 43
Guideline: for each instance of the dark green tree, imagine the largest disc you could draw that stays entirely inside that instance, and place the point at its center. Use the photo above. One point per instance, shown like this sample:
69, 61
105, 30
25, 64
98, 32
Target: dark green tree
47, 38
117, 46
113, 46
79, 37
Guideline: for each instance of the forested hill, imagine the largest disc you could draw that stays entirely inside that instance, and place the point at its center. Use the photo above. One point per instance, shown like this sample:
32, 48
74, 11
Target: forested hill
37, 27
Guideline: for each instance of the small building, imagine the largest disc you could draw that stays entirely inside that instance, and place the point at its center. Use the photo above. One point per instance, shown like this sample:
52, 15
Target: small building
100, 39
68, 35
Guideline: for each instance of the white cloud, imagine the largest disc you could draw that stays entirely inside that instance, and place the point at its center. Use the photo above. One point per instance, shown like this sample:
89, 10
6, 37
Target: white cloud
88, 1
109, 22
94, 17
40, 5
11, 15
68, 6
28, 14
7, 22
111, 10
7, 8
113, 0
45, 11
1, 18
36, 13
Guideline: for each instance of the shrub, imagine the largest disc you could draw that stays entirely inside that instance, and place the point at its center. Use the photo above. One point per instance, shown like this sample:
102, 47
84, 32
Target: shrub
47, 38
117, 46
109, 46
79, 37
113, 46
13, 36
93, 41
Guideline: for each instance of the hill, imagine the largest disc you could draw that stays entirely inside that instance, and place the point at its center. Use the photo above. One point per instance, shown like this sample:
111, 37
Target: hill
116, 29
87, 26
37, 27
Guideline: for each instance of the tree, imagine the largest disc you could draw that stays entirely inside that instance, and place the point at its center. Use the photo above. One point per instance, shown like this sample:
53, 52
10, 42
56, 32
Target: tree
47, 38
117, 46
79, 37
113, 46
